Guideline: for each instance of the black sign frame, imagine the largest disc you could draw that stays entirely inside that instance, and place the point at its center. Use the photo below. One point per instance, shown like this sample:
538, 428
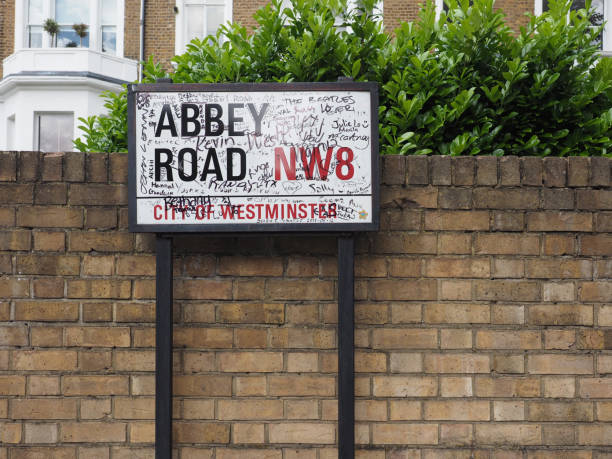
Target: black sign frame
370, 87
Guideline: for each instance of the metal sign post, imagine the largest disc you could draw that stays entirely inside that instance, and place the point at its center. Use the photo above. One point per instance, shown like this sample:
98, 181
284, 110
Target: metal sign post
243, 158
346, 347
163, 347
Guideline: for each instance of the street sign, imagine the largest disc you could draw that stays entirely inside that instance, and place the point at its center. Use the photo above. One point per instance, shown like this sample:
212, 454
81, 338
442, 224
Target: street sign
253, 157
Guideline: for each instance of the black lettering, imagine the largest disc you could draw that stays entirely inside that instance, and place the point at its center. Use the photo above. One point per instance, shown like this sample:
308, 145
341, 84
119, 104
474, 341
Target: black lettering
159, 164
161, 125
232, 119
230, 164
181, 164
258, 117
209, 119
211, 156
186, 120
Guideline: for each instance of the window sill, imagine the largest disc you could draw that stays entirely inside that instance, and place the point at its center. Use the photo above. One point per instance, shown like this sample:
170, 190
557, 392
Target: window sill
70, 60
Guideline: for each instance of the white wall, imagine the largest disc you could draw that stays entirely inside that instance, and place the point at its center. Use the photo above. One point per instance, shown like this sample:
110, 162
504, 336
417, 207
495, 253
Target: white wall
25, 100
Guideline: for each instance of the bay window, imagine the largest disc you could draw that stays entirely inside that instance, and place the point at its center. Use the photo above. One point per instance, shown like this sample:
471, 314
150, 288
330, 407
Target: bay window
68, 13
34, 21
103, 20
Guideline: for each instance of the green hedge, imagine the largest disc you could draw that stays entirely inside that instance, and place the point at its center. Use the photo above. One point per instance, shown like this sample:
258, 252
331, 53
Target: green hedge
460, 84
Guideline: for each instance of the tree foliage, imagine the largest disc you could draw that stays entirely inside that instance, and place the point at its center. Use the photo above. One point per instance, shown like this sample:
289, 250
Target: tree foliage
462, 83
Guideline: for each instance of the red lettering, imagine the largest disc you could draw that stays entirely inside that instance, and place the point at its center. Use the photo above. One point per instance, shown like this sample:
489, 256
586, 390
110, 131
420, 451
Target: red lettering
332, 210
279, 156
200, 212
227, 211
250, 211
291, 211
271, 211
345, 162
155, 209
303, 208
315, 158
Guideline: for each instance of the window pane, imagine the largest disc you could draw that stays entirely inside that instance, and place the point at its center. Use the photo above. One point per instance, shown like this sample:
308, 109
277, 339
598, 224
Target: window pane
68, 38
35, 36
35, 12
109, 39
215, 17
72, 11
195, 22
109, 12
55, 131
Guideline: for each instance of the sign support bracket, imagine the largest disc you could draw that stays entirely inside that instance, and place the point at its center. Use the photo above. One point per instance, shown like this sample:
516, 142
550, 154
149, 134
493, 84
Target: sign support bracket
346, 351
163, 347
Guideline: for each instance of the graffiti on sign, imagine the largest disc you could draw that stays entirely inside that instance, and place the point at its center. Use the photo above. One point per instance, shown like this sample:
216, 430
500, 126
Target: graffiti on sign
251, 159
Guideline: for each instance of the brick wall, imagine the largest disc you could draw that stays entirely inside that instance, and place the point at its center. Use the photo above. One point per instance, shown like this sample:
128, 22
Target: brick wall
484, 324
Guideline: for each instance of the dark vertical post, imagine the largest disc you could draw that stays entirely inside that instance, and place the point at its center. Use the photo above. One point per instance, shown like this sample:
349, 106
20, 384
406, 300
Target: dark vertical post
163, 348
346, 357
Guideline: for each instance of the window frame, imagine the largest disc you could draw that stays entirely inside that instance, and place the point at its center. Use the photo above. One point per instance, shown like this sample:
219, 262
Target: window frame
37, 115
94, 26
180, 37
606, 45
